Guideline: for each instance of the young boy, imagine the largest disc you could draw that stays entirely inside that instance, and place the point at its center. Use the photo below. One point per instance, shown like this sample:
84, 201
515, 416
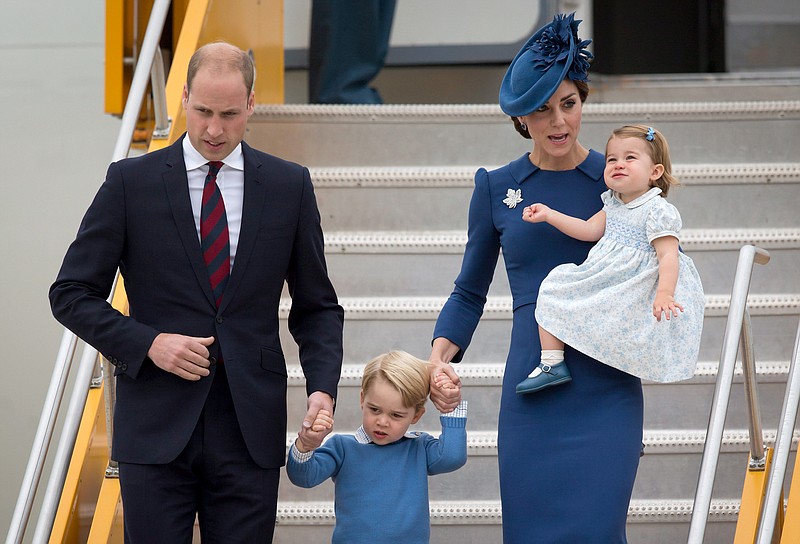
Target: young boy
381, 473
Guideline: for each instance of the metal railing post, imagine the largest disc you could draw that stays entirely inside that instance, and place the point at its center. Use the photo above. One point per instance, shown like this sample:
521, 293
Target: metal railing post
722, 391
158, 84
758, 459
41, 442
110, 394
66, 444
783, 444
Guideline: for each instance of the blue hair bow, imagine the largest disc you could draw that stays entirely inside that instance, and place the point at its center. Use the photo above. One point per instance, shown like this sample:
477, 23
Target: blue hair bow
651, 134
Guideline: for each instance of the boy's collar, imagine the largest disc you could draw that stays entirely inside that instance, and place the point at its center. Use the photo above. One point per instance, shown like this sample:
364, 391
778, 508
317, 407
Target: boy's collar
363, 438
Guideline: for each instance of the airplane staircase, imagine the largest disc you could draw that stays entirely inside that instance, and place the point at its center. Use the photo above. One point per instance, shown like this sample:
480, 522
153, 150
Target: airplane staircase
393, 184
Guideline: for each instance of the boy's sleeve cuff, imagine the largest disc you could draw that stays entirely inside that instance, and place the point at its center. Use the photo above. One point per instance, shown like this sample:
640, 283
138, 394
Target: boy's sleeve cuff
299, 456
460, 411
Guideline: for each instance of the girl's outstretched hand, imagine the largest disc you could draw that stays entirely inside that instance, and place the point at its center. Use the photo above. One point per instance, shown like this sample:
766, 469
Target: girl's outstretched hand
665, 305
535, 213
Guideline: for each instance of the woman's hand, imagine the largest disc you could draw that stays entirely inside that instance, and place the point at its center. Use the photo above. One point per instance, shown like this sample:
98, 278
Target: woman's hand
445, 383
445, 387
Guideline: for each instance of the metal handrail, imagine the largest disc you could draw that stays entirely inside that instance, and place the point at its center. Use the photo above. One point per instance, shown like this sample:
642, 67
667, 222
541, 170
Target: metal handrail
41, 442
783, 443
738, 320
66, 353
66, 444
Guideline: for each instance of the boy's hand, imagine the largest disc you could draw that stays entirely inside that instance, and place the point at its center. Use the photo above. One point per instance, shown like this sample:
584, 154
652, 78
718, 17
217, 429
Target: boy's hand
445, 388
443, 381
310, 438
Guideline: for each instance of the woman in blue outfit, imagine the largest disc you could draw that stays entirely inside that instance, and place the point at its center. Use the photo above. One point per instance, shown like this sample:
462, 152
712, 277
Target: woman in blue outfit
568, 455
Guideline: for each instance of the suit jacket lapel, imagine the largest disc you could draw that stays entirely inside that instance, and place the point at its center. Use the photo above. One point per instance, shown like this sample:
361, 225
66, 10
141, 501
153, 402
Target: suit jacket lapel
255, 192
177, 186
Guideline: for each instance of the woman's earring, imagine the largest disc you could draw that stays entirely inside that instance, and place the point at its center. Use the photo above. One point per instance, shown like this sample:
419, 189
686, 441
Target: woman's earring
523, 126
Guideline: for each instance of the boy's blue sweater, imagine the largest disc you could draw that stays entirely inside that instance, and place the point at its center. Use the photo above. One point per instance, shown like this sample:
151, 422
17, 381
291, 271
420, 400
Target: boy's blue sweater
381, 492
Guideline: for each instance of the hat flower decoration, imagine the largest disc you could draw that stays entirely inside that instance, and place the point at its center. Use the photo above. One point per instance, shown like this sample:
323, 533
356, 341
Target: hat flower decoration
557, 42
552, 54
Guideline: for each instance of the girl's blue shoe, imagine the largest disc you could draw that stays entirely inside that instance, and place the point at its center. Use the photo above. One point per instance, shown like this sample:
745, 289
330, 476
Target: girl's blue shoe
551, 375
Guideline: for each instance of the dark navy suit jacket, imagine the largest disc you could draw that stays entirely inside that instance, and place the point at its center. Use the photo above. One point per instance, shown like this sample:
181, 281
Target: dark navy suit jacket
141, 222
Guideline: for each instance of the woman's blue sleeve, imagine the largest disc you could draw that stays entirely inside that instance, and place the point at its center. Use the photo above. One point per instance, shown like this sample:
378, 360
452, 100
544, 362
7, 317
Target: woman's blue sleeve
462, 311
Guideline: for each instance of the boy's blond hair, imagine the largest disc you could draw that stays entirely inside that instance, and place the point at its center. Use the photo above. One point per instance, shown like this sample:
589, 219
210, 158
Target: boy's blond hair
406, 373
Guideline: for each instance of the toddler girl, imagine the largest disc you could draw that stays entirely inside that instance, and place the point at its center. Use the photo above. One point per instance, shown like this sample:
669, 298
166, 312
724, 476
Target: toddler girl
636, 303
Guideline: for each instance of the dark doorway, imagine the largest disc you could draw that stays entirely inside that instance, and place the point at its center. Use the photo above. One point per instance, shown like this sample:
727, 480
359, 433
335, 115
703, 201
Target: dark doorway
658, 36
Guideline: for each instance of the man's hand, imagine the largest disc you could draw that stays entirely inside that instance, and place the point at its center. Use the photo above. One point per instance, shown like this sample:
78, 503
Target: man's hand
309, 439
319, 403
184, 356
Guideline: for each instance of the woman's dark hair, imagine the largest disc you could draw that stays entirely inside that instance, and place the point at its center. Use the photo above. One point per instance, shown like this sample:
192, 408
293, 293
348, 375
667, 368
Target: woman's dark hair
583, 94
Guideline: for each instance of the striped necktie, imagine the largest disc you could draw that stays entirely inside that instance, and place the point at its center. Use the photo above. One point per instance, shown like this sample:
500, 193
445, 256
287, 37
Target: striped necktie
214, 237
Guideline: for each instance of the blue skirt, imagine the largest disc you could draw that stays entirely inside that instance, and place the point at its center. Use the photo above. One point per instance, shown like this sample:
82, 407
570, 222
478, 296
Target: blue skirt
568, 454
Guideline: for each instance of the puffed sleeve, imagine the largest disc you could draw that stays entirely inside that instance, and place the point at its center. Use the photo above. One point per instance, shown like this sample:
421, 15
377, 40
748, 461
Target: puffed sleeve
663, 220
460, 315
607, 198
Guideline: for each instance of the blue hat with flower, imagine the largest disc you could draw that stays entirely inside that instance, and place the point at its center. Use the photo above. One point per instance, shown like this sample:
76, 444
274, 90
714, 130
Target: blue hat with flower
553, 53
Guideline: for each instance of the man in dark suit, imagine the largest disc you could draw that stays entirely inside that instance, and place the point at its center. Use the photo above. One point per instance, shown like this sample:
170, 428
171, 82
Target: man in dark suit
200, 420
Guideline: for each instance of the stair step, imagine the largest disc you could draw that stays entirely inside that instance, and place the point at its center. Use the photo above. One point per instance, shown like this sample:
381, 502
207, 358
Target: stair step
357, 176
434, 135
479, 522
383, 263
676, 407
657, 442
453, 242
413, 308
378, 324
674, 452
392, 198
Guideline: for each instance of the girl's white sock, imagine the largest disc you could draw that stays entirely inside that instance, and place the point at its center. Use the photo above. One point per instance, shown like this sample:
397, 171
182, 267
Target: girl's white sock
551, 357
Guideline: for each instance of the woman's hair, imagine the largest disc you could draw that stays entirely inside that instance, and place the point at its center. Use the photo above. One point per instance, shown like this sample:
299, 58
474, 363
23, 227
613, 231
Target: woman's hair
404, 372
659, 152
583, 94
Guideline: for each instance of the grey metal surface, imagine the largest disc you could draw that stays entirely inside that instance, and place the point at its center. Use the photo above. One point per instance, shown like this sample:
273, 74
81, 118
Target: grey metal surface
424, 270
698, 132
400, 323
445, 208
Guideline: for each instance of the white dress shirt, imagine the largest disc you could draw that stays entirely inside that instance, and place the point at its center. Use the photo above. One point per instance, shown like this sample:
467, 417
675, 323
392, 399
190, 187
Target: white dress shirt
231, 183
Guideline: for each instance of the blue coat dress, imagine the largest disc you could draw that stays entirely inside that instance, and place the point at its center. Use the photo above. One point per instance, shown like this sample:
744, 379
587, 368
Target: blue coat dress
567, 455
